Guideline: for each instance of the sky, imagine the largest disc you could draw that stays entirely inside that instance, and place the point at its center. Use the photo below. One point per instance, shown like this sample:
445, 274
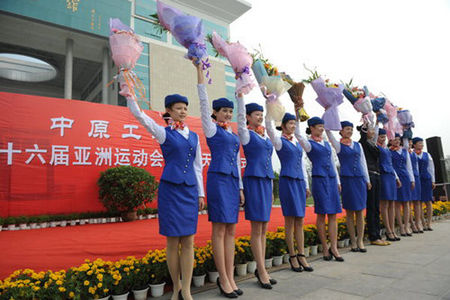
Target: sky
400, 48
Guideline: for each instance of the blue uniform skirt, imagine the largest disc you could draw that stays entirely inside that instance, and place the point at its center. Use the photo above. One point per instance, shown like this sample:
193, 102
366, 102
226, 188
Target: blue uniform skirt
388, 187
326, 195
354, 192
426, 189
177, 209
292, 196
416, 193
258, 198
404, 193
223, 197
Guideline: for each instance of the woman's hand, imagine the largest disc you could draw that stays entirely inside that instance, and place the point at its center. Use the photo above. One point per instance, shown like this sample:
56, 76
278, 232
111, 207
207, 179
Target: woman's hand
308, 193
201, 203
433, 185
369, 186
200, 77
399, 183
413, 185
340, 188
242, 198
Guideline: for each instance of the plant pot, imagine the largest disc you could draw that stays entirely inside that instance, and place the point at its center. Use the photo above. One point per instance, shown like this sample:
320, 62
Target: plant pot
120, 297
129, 216
199, 280
319, 248
63, 223
92, 221
12, 227
140, 294
341, 244
82, 221
23, 226
212, 276
33, 225
314, 249
103, 220
43, 225
277, 260
286, 258
306, 249
141, 217
73, 222
53, 224
251, 267
104, 298
241, 269
347, 242
268, 262
157, 290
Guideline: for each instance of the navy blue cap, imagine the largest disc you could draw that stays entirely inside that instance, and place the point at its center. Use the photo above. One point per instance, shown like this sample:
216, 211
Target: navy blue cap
314, 121
398, 135
175, 98
287, 117
381, 131
417, 139
251, 107
222, 102
346, 124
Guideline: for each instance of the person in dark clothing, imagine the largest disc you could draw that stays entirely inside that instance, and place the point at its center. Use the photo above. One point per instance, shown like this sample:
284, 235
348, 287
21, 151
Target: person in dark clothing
372, 154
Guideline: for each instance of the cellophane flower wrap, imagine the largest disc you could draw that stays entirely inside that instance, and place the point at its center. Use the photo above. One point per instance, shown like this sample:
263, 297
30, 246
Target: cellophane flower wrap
240, 60
406, 120
126, 49
393, 126
187, 30
296, 93
329, 97
378, 107
272, 88
360, 100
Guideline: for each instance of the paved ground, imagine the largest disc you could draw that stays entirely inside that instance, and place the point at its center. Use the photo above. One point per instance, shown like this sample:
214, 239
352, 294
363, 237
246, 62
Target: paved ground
417, 267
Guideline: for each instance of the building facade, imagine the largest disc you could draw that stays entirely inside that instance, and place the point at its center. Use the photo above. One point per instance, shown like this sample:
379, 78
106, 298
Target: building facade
72, 37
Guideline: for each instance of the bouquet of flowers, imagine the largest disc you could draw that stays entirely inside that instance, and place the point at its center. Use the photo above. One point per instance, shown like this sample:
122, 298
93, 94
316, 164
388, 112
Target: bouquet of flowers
126, 49
187, 30
296, 93
239, 59
360, 100
272, 86
378, 107
393, 126
329, 96
406, 120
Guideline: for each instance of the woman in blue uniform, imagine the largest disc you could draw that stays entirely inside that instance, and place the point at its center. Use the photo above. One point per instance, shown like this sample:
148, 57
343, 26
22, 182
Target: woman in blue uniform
325, 184
354, 181
389, 184
180, 192
426, 172
223, 185
257, 181
402, 166
294, 188
415, 218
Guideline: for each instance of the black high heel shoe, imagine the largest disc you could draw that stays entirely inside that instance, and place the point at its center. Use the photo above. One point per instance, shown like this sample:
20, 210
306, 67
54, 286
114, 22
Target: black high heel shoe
180, 296
239, 292
295, 269
227, 295
337, 258
266, 286
307, 269
391, 239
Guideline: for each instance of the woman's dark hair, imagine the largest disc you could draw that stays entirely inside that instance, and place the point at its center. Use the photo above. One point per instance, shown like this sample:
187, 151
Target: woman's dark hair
166, 117
278, 128
308, 130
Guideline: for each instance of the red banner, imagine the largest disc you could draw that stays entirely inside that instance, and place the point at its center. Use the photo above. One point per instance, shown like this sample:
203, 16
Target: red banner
53, 150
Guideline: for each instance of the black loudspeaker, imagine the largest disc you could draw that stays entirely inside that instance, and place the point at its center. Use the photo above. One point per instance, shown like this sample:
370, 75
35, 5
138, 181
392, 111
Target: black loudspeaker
434, 147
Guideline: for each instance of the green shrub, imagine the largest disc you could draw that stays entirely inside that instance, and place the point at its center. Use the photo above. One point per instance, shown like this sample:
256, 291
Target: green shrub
125, 188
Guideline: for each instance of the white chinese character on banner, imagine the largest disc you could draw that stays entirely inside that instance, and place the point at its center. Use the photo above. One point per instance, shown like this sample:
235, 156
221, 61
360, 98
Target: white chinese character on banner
206, 159
60, 155
10, 151
104, 156
33, 154
243, 163
130, 134
122, 157
61, 123
99, 129
82, 156
140, 157
156, 158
